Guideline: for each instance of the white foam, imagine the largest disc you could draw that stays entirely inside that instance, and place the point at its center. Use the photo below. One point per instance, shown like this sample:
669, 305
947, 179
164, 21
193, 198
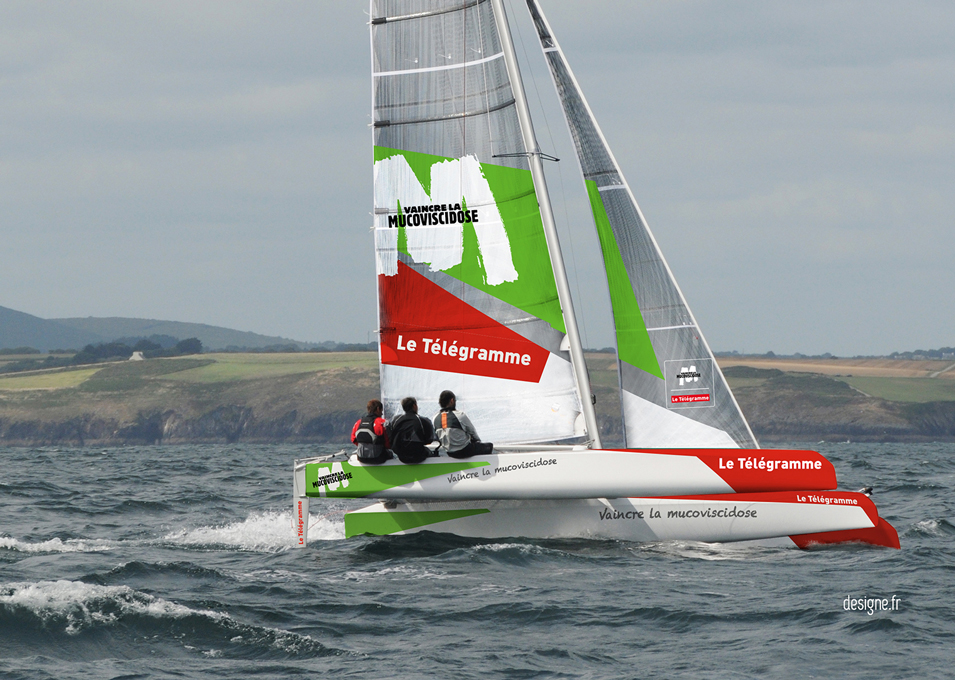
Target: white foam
932, 527
327, 527
56, 545
269, 531
260, 532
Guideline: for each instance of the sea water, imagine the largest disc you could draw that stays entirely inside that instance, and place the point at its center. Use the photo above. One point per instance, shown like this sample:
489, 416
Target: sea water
178, 562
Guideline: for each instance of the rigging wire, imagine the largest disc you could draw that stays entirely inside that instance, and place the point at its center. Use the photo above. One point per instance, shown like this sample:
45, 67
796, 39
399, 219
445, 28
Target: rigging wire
560, 177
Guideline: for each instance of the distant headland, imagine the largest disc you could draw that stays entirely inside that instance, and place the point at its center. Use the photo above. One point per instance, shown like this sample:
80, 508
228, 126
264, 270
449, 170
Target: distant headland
72, 382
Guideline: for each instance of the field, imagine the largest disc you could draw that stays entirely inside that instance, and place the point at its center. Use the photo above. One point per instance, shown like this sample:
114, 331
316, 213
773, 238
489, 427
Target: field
893, 380
911, 390
201, 369
228, 367
47, 380
880, 368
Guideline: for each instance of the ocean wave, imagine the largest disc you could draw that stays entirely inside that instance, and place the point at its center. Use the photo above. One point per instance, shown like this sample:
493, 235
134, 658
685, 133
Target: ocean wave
740, 550
139, 569
76, 606
73, 608
398, 572
932, 527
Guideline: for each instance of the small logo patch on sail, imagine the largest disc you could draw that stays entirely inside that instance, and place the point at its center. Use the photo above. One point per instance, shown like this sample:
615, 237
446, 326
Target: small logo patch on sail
689, 383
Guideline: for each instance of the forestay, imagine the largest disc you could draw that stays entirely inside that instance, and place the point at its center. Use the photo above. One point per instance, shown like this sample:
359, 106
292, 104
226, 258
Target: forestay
467, 297
672, 391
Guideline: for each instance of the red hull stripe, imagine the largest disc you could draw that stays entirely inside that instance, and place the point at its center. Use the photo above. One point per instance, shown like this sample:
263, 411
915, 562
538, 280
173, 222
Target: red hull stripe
425, 326
849, 499
883, 534
751, 470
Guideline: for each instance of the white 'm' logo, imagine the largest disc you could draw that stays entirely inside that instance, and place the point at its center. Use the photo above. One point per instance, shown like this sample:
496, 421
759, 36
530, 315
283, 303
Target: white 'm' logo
688, 375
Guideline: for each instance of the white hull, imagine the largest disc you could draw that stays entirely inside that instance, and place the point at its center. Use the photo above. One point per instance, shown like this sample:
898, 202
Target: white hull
738, 517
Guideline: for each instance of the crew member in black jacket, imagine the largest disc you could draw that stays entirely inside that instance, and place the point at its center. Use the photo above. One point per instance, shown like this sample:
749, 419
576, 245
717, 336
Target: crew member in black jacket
410, 432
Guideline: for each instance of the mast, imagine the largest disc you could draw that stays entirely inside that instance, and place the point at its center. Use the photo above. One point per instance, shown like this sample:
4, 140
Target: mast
550, 227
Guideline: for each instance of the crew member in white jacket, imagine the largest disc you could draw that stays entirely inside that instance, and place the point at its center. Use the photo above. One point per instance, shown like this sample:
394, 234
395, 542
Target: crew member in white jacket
455, 431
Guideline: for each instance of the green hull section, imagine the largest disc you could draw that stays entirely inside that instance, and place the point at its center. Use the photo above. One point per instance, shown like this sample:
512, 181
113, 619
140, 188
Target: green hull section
384, 523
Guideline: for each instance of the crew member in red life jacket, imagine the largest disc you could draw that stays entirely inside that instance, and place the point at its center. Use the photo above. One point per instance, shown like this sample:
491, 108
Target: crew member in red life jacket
370, 435
455, 431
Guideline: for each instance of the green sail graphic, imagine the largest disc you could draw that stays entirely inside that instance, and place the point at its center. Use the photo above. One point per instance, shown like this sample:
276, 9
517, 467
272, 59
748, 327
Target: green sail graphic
633, 341
534, 290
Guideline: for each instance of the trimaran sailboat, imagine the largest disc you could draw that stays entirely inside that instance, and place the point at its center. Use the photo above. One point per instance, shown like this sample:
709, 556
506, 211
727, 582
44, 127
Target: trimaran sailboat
473, 297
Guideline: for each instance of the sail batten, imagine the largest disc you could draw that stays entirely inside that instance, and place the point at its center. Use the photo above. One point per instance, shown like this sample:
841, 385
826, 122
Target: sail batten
672, 390
420, 15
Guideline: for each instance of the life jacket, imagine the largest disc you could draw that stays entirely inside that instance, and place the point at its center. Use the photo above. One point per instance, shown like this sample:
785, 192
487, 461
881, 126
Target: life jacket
450, 432
370, 445
448, 419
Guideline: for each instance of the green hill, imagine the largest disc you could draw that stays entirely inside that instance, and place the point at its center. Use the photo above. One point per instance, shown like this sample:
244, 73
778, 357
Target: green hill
212, 337
18, 329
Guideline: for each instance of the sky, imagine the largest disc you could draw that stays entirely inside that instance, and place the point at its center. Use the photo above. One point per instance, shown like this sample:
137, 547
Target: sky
211, 162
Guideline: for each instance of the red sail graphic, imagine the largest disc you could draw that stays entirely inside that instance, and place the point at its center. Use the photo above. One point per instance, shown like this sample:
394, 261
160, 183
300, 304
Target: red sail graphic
425, 326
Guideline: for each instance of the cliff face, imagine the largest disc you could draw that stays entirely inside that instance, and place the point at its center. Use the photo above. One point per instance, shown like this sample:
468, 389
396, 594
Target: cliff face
224, 424
195, 401
208, 400
807, 407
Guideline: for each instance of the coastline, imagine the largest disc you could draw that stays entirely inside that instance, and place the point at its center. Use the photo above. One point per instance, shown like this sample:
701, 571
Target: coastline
300, 398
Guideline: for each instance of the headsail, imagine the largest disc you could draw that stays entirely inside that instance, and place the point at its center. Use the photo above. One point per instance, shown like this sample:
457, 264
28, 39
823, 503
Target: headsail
467, 296
672, 390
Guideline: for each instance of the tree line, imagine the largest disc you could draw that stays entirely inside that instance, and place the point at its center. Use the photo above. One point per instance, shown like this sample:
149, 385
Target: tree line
105, 351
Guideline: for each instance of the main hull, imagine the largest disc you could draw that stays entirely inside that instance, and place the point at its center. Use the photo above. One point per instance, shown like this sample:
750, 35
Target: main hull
806, 517
551, 473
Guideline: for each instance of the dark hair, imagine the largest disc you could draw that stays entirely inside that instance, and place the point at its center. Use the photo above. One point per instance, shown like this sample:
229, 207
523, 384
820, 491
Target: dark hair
373, 406
446, 398
408, 404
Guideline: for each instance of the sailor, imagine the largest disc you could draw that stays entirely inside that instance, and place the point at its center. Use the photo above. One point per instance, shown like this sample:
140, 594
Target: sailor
409, 433
370, 435
455, 431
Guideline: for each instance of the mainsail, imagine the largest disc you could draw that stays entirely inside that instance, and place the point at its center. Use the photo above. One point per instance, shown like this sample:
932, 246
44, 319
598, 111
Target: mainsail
466, 291
672, 390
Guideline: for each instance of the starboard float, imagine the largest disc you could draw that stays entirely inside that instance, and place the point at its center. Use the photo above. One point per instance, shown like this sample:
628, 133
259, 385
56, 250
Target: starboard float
473, 297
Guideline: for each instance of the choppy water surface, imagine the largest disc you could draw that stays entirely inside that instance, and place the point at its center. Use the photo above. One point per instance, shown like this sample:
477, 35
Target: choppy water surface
178, 562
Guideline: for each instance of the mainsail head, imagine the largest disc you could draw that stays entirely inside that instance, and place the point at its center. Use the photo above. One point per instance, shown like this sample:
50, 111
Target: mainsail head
466, 291
672, 390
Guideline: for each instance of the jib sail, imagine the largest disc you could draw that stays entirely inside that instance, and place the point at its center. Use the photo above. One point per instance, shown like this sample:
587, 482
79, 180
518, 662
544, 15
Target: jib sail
672, 391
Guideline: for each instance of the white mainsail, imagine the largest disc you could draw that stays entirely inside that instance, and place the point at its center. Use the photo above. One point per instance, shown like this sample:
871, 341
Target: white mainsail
672, 391
467, 294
